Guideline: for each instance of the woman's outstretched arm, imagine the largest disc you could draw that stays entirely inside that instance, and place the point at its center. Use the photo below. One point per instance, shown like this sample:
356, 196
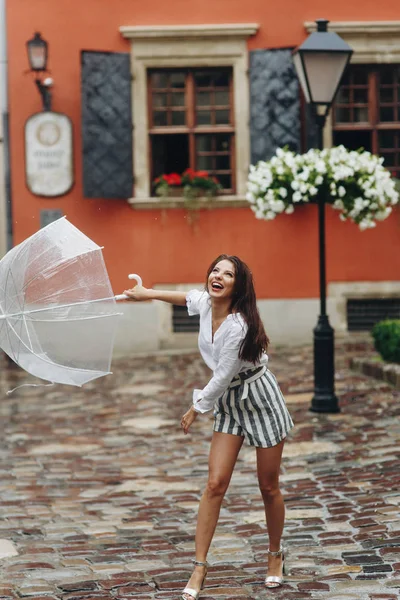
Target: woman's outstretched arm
141, 294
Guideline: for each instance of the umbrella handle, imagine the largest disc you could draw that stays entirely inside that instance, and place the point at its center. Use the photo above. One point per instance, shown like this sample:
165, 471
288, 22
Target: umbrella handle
131, 276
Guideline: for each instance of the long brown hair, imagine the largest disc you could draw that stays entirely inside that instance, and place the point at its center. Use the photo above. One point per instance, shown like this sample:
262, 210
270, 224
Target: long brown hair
244, 302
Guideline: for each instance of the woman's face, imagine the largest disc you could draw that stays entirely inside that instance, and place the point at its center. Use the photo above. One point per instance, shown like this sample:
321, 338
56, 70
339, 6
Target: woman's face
221, 280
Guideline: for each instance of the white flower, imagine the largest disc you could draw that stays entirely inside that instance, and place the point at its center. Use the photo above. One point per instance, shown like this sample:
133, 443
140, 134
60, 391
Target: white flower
357, 176
297, 197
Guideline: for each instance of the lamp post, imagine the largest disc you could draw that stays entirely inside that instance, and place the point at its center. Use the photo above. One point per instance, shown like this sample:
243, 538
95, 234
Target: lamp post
320, 63
37, 49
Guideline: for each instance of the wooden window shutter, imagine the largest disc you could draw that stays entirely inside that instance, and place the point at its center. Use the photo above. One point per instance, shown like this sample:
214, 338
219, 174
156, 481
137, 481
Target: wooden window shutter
106, 125
274, 103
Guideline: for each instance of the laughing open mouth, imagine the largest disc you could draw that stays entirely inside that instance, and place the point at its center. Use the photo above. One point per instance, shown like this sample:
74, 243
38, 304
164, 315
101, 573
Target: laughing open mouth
217, 286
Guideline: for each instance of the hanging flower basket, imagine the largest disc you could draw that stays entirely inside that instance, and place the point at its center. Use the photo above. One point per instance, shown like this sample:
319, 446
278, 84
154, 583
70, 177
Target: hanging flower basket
354, 182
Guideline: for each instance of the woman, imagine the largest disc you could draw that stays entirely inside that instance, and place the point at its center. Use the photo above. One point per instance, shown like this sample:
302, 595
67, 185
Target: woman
246, 399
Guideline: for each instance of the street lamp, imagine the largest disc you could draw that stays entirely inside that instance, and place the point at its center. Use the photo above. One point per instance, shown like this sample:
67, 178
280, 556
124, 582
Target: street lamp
320, 63
37, 49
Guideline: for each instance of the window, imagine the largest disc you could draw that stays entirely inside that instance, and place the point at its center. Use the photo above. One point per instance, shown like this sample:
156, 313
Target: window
191, 123
182, 322
367, 112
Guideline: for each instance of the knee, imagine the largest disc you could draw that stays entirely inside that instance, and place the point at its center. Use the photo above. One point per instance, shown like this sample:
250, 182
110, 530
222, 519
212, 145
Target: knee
216, 487
269, 489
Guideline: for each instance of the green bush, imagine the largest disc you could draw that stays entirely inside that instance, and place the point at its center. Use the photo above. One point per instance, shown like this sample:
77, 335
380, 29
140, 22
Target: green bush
386, 336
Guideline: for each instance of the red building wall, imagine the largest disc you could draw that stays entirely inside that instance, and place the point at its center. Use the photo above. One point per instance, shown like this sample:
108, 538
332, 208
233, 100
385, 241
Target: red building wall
160, 244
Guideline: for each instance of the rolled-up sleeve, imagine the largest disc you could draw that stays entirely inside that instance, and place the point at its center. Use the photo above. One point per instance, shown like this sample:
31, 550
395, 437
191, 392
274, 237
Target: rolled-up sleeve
228, 366
195, 299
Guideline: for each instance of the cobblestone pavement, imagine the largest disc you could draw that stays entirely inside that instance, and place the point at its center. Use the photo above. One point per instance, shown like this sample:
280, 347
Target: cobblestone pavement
99, 488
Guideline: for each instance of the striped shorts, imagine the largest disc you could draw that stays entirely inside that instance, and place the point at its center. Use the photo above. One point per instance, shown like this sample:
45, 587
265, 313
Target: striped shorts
253, 407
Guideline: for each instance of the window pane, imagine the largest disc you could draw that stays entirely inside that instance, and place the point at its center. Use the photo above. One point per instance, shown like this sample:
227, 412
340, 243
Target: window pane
177, 80
203, 117
203, 79
360, 77
169, 153
205, 163
389, 159
387, 75
203, 143
203, 99
222, 117
353, 139
343, 96
223, 142
222, 79
222, 98
361, 115
223, 163
178, 117
343, 115
386, 94
386, 113
225, 180
159, 80
159, 118
159, 100
387, 139
360, 96
177, 99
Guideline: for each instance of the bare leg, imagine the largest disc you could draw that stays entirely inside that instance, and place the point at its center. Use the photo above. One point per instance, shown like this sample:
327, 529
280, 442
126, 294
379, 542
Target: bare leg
268, 468
223, 455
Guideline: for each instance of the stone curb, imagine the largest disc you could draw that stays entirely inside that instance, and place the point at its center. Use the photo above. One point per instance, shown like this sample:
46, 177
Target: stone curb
389, 372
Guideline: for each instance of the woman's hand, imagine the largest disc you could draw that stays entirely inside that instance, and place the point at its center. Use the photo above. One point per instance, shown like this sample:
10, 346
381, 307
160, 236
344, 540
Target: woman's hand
188, 419
139, 293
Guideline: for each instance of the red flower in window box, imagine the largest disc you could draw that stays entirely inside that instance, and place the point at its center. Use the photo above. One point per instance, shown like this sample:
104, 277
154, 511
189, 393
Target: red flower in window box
194, 184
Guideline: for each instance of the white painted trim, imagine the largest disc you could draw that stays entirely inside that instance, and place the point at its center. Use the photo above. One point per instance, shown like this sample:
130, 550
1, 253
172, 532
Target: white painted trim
189, 46
340, 292
171, 202
140, 32
372, 41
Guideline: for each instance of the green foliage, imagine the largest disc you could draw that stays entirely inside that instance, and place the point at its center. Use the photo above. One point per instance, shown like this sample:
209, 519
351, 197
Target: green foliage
386, 336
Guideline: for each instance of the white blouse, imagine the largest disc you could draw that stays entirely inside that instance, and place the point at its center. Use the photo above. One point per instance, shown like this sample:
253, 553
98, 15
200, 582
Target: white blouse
221, 354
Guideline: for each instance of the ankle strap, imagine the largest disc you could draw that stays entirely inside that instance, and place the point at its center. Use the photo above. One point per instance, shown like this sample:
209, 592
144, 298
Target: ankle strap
198, 563
277, 553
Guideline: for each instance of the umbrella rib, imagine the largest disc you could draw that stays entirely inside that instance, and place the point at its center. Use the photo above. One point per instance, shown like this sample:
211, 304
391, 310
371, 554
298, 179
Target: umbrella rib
52, 362
71, 319
48, 308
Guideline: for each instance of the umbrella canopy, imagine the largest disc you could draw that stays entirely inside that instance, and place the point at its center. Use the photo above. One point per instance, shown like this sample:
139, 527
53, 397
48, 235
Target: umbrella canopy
58, 313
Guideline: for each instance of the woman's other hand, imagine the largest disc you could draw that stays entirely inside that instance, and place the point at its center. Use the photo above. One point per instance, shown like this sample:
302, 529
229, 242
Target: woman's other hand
188, 419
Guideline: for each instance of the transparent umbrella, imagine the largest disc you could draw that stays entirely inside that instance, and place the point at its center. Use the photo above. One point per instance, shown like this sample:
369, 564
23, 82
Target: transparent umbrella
58, 313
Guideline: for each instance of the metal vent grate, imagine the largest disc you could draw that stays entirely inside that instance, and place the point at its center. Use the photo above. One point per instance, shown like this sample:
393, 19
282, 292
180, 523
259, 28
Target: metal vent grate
363, 314
182, 323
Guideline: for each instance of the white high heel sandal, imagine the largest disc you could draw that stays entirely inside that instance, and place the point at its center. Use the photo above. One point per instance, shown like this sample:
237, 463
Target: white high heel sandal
273, 581
190, 591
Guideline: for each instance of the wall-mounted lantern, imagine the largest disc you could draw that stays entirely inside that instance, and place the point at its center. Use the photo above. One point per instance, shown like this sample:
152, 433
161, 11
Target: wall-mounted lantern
37, 49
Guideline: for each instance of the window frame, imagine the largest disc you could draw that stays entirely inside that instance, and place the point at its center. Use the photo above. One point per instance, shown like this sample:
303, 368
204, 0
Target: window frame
191, 128
190, 46
374, 125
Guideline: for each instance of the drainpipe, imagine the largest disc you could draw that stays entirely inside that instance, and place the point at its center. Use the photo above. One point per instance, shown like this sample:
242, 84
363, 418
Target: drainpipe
5, 183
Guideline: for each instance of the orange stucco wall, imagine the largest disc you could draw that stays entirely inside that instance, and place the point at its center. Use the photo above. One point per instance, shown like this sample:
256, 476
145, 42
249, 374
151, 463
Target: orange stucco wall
160, 245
